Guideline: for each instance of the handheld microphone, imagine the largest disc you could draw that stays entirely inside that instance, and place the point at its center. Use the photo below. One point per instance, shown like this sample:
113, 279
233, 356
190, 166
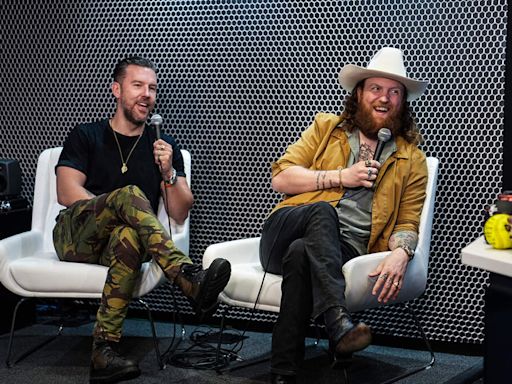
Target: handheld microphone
384, 135
156, 121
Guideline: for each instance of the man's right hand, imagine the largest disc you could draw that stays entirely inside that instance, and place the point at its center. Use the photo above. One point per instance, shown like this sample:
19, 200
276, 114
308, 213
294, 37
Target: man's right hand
361, 174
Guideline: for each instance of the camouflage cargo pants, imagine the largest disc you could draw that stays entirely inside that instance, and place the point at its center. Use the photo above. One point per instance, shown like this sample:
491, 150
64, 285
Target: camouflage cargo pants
119, 230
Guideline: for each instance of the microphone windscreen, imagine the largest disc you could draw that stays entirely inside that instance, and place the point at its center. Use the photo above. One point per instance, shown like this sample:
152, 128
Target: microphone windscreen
156, 120
384, 135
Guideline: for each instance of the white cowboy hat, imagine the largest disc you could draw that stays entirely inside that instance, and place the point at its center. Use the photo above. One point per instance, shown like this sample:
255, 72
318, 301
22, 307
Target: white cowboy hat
388, 63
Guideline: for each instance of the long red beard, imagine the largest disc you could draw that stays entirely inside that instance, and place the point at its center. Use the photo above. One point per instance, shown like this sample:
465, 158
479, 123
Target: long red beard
364, 120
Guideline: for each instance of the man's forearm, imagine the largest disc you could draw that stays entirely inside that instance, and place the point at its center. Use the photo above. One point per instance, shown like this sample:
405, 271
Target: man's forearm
297, 179
403, 239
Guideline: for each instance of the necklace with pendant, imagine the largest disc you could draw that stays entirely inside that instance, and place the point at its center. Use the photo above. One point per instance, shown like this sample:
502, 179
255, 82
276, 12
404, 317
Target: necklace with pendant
124, 167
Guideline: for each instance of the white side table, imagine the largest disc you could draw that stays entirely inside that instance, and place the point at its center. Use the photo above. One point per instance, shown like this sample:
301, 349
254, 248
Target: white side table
498, 308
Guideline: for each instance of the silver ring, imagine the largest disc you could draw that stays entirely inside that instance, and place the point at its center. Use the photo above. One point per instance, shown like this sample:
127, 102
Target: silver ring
396, 284
368, 163
369, 173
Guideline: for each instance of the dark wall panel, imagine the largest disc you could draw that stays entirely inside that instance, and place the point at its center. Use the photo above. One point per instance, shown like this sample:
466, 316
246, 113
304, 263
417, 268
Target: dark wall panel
239, 81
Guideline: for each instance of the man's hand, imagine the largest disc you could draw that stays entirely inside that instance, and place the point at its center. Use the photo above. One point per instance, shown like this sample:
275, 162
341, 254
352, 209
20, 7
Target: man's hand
162, 151
361, 174
390, 274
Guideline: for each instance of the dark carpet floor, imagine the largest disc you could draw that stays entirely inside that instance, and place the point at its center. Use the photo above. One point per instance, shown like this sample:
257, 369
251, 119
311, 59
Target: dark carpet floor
66, 359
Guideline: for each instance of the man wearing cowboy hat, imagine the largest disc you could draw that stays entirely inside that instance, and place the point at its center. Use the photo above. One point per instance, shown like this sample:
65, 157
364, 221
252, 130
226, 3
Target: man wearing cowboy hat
342, 200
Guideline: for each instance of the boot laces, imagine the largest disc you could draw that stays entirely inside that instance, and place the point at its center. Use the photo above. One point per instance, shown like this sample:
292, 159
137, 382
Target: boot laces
193, 273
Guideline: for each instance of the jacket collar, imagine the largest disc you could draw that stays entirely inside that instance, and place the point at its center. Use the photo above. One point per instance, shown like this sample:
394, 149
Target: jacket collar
402, 145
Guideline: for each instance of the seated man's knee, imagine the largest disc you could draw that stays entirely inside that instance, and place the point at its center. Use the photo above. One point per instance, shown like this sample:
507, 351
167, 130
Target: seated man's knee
323, 209
131, 195
131, 190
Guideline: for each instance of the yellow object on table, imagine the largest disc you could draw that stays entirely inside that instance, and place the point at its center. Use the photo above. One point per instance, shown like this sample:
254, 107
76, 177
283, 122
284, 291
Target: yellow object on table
497, 231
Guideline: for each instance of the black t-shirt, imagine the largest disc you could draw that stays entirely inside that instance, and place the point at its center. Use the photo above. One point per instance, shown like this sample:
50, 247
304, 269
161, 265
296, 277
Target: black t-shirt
91, 148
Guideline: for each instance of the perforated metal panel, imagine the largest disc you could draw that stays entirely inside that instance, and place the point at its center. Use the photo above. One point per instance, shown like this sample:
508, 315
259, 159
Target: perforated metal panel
239, 81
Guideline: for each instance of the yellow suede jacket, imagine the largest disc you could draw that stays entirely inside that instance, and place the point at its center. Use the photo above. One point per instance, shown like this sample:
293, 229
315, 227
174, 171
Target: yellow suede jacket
400, 185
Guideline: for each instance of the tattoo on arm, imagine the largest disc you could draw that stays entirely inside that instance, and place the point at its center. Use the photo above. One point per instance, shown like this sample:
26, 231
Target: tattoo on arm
365, 152
323, 179
403, 238
318, 180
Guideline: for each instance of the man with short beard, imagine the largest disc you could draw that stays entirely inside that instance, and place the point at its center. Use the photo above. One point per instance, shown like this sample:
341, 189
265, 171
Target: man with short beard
110, 176
341, 202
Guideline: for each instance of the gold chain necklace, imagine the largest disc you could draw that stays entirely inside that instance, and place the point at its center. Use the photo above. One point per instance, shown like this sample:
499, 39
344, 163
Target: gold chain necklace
124, 167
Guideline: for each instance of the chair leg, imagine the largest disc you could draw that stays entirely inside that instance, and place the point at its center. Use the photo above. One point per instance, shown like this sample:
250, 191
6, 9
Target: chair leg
258, 359
163, 358
153, 332
414, 370
8, 360
427, 343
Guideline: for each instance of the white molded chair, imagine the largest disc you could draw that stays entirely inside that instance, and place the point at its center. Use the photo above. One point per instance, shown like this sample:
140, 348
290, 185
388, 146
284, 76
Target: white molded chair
250, 287
30, 268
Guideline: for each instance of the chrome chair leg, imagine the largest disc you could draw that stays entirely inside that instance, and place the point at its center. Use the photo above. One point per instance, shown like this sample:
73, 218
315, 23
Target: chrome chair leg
414, 370
427, 343
25, 354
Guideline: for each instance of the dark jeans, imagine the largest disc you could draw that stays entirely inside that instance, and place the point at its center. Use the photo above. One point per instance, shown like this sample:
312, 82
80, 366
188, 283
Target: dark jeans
303, 245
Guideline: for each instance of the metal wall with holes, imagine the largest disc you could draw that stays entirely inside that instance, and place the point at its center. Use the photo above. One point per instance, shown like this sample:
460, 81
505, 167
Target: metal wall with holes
239, 81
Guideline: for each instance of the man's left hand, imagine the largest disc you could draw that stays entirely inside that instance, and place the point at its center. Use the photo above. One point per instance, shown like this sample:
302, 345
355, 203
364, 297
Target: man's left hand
390, 274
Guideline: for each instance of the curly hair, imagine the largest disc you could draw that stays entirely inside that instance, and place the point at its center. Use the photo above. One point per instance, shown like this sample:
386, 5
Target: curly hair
408, 128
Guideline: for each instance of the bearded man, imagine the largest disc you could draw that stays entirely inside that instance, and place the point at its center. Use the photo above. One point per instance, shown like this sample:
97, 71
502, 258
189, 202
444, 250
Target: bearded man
340, 202
110, 177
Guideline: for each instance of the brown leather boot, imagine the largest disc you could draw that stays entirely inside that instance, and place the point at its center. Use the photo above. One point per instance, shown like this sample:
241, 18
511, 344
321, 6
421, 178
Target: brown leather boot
345, 337
202, 286
108, 366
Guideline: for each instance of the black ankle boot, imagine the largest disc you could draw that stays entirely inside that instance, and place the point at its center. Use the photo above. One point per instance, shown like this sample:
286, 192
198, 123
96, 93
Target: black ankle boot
202, 287
107, 366
345, 337
283, 379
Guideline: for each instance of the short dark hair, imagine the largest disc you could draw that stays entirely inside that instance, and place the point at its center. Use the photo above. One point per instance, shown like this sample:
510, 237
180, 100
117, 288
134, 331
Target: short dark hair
120, 69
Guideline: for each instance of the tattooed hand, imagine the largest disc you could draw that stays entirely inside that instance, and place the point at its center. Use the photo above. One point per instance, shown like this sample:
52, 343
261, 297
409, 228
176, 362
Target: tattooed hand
361, 174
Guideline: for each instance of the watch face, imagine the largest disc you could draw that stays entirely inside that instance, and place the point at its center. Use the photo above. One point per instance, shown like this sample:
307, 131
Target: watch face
173, 176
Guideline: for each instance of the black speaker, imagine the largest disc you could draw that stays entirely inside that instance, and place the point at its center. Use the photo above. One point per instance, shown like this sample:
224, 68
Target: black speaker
10, 177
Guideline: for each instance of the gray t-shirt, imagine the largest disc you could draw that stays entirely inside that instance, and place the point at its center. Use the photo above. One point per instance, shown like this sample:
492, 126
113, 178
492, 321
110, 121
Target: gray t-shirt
355, 207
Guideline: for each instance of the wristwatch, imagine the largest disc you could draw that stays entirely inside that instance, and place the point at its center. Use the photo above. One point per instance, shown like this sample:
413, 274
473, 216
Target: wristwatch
173, 178
408, 250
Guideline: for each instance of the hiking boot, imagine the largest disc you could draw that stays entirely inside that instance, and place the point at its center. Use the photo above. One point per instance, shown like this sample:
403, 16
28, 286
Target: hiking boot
202, 286
108, 366
345, 337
